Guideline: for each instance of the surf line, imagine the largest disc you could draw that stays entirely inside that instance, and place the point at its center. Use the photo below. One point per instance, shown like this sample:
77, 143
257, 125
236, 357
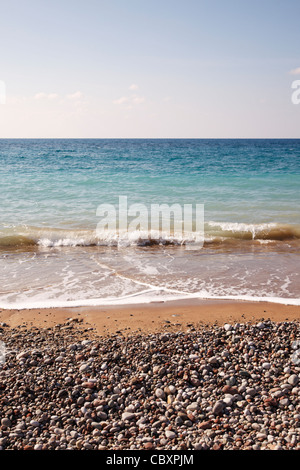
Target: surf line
198, 295
145, 284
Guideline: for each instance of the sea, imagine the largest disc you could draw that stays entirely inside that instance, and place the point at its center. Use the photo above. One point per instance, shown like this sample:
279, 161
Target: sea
62, 243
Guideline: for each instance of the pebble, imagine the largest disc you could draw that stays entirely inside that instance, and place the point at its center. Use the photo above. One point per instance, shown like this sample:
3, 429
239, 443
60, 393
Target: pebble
210, 387
160, 393
218, 407
127, 416
84, 367
34, 423
170, 434
293, 379
193, 406
6, 422
227, 401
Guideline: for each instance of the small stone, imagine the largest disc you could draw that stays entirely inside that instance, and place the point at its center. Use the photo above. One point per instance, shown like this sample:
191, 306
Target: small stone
170, 434
96, 425
218, 407
89, 384
87, 446
170, 390
270, 402
59, 359
6, 422
63, 393
230, 390
148, 446
261, 436
34, 423
159, 393
228, 401
183, 416
293, 379
193, 406
22, 355
256, 426
170, 399
84, 367
127, 416
205, 425
231, 381
245, 373
197, 446
284, 402
214, 361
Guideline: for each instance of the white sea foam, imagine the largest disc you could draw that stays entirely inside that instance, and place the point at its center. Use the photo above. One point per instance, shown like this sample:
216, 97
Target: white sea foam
144, 297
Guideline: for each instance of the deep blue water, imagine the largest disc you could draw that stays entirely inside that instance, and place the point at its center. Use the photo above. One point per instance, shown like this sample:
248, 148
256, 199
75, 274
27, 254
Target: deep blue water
59, 183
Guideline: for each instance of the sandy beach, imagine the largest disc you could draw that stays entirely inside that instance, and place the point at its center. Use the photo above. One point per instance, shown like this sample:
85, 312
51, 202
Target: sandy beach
183, 376
153, 317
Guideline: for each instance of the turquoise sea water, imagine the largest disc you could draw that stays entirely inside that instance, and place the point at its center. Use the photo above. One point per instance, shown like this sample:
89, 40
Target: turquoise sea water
51, 254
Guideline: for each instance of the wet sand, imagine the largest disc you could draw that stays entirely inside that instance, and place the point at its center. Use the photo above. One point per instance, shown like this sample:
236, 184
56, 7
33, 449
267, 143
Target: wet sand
152, 317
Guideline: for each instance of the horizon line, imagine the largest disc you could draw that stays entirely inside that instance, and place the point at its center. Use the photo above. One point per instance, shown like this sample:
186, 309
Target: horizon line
149, 138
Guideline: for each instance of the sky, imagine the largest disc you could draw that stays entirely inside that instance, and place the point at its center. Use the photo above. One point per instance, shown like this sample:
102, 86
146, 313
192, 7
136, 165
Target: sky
149, 69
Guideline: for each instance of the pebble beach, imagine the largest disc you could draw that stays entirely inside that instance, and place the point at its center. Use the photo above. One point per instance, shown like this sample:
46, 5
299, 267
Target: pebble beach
232, 386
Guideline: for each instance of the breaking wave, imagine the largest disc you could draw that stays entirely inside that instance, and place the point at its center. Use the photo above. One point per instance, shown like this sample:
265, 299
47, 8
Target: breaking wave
214, 232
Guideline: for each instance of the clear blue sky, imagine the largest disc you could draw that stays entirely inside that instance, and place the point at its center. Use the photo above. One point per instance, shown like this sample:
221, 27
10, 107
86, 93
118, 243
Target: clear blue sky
137, 68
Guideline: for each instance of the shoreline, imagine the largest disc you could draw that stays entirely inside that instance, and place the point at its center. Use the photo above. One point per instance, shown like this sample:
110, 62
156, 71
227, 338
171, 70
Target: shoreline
178, 315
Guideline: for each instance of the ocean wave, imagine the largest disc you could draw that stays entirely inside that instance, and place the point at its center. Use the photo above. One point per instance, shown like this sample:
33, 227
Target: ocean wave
214, 232
262, 231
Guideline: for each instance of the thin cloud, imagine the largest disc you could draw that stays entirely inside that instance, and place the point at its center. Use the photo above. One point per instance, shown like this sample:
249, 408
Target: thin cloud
123, 99
40, 96
75, 96
133, 99
47, 96
52, 96
295, 71
138, 99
